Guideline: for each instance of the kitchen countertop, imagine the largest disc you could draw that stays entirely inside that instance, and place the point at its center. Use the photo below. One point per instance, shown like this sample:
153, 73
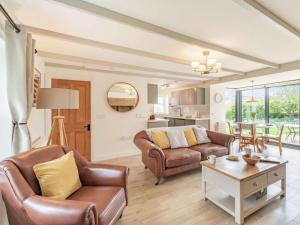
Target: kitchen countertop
184, 118
158, 120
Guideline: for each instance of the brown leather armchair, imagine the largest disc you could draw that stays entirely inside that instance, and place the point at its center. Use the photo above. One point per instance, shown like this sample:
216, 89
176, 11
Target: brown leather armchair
101, 199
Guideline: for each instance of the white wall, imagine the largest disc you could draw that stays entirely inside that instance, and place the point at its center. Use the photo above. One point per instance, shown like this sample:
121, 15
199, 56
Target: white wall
112, 132
217, 110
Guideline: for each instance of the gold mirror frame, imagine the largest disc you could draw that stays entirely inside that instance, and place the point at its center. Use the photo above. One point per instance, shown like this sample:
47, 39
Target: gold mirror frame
122, 104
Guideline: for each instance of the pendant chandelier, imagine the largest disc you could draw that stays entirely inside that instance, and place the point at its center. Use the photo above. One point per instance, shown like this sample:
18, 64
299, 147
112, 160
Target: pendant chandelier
252, 100
209, 65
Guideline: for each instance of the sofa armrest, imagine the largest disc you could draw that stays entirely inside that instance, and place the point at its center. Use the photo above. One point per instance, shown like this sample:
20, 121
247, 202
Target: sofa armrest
41, 210
105, 175
149, 149
220, 138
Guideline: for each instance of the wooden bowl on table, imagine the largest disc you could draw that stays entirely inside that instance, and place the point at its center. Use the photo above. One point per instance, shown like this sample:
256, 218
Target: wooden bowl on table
251, 160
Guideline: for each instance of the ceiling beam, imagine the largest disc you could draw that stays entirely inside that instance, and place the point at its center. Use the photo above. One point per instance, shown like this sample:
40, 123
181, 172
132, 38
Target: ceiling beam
117, 65
124, 73
270, 15
118, 48
104, 12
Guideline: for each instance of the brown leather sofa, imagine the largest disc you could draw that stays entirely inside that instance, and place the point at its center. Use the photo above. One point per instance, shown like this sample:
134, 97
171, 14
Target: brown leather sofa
101, 199
164, 163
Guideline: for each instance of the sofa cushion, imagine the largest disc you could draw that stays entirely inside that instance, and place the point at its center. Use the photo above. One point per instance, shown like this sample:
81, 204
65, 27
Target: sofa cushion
190, 137
177, 138
161, 139
201, 135
149, 130
210, 149
181, 156
108, 201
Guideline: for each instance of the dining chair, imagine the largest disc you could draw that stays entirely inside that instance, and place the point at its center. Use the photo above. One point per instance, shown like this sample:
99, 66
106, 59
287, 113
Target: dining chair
248, 136
276, 138
233, 131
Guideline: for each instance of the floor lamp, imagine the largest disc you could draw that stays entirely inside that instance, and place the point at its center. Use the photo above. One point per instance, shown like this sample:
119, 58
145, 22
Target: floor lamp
57, 98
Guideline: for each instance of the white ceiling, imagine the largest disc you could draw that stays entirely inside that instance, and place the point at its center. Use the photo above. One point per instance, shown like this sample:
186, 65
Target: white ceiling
224, 23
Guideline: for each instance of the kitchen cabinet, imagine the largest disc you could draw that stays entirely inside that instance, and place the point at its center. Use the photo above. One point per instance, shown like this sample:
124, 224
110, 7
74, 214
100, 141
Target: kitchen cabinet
175, 98
200, 96
157, 123
152, 93
179, 122
203, 123
189, 122
187, 97
171, 122
191, 96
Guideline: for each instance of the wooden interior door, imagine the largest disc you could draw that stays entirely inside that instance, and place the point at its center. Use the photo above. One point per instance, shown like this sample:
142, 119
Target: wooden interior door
77, 121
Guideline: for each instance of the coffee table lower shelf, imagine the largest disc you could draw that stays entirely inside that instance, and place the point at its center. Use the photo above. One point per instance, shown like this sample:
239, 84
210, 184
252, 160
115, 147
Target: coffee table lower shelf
251, 204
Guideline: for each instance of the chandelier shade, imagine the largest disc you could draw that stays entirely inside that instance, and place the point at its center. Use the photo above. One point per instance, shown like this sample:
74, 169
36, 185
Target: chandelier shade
208, 66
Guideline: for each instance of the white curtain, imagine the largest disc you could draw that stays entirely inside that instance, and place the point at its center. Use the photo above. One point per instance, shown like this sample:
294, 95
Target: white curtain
19, 50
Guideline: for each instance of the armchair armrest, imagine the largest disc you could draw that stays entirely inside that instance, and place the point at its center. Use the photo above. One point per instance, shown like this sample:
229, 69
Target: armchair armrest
41, 210
220, 138
104, 175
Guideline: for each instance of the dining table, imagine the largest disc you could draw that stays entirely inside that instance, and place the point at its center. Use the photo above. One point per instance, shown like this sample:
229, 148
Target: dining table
259, 125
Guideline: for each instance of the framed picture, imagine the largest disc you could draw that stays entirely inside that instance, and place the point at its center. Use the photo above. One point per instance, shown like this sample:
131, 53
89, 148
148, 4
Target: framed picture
36, 85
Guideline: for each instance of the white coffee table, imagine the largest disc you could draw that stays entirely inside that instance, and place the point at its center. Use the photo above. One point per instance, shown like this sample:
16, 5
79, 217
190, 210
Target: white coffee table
232, 185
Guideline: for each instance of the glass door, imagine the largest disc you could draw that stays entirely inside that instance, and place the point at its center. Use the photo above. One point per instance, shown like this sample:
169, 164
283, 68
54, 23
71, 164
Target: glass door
284, 111
253, 111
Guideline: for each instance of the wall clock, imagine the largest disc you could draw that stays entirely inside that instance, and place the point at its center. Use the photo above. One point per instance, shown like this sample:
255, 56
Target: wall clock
218, 98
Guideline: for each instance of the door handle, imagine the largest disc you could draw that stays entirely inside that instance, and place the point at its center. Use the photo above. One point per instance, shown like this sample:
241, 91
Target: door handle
88, 127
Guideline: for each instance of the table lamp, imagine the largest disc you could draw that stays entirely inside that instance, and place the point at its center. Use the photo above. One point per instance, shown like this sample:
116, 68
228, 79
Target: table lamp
57, 98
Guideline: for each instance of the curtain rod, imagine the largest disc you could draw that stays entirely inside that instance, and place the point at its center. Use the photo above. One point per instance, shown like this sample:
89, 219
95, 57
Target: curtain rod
7, 16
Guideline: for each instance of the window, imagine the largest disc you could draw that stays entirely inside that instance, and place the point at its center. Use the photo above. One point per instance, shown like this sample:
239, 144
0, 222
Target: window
253, 111
160, 106
277, 105
284, 110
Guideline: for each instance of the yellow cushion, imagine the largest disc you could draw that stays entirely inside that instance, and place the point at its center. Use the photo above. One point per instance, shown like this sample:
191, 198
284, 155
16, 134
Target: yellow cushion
160, 138
190, 137
58, 178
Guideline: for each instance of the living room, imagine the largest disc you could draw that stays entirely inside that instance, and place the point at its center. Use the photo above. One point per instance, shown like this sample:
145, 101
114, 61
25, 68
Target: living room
171, 96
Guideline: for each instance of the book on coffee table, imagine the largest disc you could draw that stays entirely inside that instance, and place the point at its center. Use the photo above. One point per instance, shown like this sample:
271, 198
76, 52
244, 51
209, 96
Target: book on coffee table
270, 159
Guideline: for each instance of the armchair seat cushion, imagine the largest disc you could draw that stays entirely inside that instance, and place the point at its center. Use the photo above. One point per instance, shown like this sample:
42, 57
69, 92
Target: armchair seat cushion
181, 156
109, 201
210, 149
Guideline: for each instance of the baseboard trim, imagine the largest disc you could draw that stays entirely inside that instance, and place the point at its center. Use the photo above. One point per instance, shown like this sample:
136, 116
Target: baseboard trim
115, 155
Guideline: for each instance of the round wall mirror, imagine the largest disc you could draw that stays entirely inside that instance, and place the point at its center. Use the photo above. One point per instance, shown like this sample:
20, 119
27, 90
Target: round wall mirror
122, 97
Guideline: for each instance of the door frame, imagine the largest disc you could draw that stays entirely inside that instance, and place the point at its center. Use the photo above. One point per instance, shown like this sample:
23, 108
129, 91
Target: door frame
48, 113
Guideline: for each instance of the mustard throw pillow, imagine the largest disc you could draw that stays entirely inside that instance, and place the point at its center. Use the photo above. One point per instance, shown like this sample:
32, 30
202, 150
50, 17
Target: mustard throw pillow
160, 138
190, 137
58, 178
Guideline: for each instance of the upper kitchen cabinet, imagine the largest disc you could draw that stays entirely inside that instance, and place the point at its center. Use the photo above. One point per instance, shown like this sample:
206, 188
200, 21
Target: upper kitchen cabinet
152, 93
188, 96
191, 96
175, 98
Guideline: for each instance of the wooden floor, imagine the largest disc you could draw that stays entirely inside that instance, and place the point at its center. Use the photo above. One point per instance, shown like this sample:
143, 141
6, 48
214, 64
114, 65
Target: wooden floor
177, 200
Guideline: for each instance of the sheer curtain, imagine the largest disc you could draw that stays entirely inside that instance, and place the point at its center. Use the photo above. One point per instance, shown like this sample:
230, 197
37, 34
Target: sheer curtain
5, 120
19, 54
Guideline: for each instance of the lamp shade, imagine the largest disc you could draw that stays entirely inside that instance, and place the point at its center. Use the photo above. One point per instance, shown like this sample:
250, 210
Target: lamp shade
57, 98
